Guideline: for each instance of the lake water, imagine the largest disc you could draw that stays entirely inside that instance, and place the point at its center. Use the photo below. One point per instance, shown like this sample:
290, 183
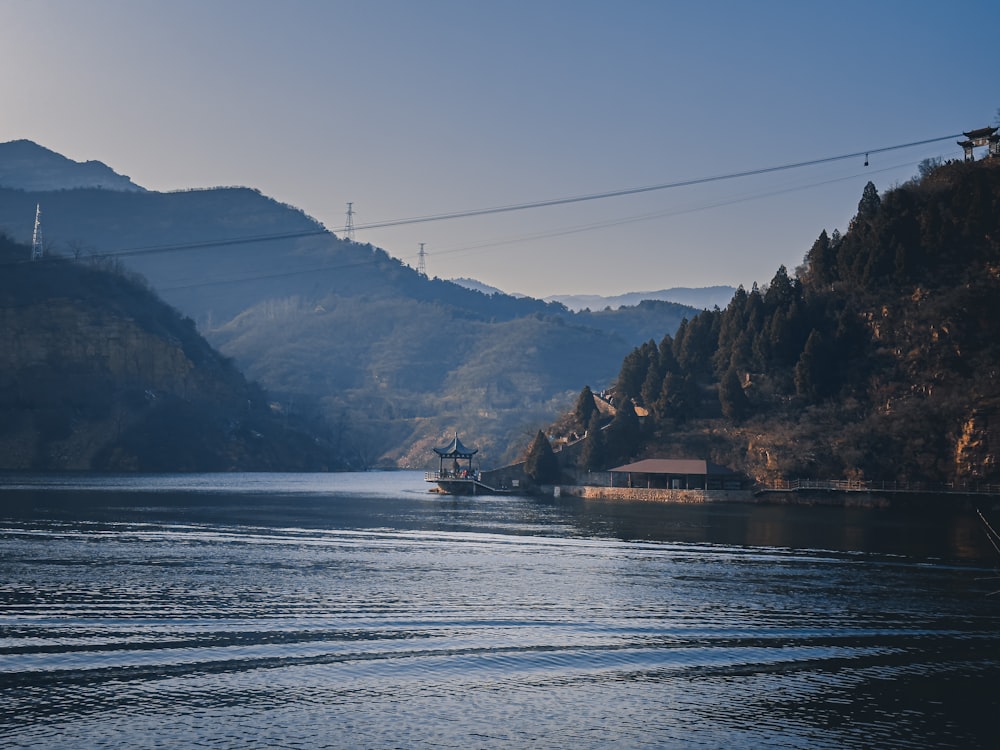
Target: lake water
361, 611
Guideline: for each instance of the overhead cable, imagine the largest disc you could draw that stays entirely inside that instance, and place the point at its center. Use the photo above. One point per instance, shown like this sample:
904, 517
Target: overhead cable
646, 189
197, 245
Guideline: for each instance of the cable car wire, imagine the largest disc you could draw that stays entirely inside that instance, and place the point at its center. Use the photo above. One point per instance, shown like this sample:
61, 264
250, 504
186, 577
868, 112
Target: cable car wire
198, 245
529, 237
646, 189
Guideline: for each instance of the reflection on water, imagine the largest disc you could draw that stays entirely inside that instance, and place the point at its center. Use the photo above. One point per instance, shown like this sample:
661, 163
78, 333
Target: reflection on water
951, 533
359, 611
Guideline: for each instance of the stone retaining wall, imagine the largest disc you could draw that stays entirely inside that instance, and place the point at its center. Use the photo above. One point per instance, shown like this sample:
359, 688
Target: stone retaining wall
830, 498
643, 494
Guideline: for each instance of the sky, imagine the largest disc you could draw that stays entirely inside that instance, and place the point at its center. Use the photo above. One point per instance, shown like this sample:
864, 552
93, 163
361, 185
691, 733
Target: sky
420, 108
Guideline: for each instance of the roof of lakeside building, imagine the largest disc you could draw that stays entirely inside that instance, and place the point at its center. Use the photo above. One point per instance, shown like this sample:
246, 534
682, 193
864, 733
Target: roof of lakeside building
673, 466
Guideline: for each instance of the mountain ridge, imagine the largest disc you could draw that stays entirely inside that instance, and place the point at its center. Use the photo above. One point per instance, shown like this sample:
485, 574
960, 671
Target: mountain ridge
25, 165
340, 328
97, 373
702, 298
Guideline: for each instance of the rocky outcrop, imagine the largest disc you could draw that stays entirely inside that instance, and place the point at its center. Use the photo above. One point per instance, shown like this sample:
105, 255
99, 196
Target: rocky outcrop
97, 373
89, 340
978, 445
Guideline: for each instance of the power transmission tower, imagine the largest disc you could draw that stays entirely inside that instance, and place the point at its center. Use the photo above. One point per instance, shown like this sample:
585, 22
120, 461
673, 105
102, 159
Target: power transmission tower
349, 226
421, 262
36, 236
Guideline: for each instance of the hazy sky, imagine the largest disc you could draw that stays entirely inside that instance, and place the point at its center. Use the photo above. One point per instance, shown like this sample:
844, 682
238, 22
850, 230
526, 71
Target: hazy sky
426, 107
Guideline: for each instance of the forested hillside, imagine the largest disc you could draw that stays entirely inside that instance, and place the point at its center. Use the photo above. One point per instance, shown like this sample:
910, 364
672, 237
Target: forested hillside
878, 359
339, 329
96, 372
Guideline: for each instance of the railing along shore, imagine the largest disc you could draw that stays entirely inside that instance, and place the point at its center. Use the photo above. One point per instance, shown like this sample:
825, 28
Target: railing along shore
451, 476
855, 485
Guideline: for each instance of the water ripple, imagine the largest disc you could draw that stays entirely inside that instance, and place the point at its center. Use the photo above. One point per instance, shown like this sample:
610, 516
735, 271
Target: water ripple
216, 635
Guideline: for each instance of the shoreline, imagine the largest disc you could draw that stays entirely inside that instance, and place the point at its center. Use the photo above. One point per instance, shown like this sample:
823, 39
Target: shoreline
873, 499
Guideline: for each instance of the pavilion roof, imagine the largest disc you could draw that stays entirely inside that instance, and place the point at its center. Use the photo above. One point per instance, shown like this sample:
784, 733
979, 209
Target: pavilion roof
455, 449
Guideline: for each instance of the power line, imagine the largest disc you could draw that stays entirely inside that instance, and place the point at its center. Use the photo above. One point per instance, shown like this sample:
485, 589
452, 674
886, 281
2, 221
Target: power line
646, 189
538, 235
197, 245
662, 214
149, 249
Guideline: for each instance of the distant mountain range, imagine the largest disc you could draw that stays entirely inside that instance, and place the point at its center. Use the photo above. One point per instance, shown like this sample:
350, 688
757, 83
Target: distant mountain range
98, 373
700, 298
394, 361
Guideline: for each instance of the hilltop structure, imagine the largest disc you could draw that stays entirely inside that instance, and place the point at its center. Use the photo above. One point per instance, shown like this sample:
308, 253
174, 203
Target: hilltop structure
983, 137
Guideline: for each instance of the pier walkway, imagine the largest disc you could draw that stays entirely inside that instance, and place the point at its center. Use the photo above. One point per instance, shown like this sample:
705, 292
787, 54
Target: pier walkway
452, 484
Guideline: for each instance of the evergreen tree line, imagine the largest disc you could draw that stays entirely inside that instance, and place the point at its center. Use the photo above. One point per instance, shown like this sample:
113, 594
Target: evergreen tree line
887, 334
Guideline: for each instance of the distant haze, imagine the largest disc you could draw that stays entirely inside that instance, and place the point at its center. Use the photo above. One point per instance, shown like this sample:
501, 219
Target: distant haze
685, 118
703, 298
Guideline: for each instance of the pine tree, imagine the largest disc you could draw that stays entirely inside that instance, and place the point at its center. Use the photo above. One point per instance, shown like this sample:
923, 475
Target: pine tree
756, 318
733, 400
668, 363
870, 202
635, 366
585, 408
821, 261
593, 456
651, 385
731, 326
677, 400
541, 465
813, 378
624, 434
781, 291
696, 345
741, 354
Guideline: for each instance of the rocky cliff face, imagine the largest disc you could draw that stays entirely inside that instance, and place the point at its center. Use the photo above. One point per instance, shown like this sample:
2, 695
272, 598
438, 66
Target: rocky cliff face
978, 446
97, 373
92, 341
55, 348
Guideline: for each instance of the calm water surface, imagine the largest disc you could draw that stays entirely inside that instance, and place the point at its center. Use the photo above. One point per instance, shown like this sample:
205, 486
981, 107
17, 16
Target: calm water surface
360, 611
